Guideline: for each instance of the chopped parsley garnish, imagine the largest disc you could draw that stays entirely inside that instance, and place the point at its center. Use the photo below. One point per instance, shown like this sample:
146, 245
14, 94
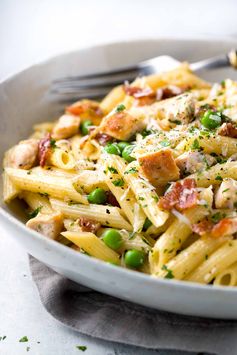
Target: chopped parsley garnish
120, 108
195, 145
118, 182
216, 217
28, 348
29, 172
178, 122
169, 274
44, 194
23, 339
52, 143
112, 170
3, 337
218, 178
225, 191
146, 224
131, 171
35, 212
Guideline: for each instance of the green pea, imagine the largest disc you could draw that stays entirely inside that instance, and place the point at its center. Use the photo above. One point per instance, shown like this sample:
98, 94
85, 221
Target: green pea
97, 196
112, 148
126, 154
112, 238
84, 127
146, 224
123, 145
211, 119
134, 258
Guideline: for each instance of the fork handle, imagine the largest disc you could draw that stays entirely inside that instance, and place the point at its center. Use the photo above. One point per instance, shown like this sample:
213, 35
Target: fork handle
217, 62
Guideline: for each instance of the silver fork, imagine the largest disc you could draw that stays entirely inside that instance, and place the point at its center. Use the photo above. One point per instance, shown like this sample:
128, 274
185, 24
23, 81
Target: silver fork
98, 84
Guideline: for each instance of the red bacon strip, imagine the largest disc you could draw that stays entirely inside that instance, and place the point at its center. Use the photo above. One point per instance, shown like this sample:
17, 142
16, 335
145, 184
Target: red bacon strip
226, 226
228, 130
202, 227
44, 149
181, 196
89, 225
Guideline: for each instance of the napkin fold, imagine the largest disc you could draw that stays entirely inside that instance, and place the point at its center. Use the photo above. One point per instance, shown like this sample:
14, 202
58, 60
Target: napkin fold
108, 318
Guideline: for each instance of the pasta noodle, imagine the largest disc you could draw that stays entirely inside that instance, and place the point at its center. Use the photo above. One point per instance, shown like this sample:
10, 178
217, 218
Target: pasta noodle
145, 179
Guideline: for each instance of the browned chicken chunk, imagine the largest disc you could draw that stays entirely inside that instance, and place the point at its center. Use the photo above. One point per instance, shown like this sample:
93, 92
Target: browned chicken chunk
121, 125
159, 167
49, 225
66, 127
24, 154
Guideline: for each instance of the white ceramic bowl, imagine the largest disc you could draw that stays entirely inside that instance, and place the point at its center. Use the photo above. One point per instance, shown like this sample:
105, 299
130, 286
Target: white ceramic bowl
23, 103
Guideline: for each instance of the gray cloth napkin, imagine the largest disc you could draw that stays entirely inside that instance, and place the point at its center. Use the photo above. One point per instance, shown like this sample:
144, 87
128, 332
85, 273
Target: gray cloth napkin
105, 317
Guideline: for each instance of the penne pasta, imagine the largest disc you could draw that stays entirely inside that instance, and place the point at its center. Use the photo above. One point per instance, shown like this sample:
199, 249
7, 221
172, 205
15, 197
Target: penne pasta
221, 259
51, 185
92, 245
146, 178
106, 215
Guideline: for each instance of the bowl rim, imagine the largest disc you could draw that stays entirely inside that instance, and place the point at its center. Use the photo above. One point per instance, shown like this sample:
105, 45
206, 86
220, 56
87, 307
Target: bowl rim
62, 249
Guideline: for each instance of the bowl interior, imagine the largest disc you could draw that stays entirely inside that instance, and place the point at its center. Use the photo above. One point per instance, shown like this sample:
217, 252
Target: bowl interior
24, 100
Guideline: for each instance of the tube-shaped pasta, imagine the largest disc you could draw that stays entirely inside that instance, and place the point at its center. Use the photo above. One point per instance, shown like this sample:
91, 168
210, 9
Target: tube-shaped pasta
220, 145
124, 195
52, 185
35, 201
188, 259
106, 215
216, 174
62, 159
89, 179
221, 259
143, 191
227, 277
94, 246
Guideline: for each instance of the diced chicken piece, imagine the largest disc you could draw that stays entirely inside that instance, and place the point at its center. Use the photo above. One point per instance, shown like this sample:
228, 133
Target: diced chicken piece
159, 167
66, 127
228, 130
49, 225
191, 162
177, 110
121, 125
24, 154
226, 195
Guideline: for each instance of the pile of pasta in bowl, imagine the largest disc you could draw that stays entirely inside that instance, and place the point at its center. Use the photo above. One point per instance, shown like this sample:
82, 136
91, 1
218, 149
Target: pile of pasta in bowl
145, 179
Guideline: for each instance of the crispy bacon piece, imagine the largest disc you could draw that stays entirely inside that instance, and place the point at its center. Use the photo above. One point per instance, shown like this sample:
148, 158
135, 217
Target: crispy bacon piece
89, 225
181, 196
137, 92
202, 227
103, 138
111, 199
44, 149
144, 96
228, 130
168, 91
226, 226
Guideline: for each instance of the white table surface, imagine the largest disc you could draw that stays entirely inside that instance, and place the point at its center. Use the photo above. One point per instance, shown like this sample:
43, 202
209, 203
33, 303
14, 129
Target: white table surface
34, 30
